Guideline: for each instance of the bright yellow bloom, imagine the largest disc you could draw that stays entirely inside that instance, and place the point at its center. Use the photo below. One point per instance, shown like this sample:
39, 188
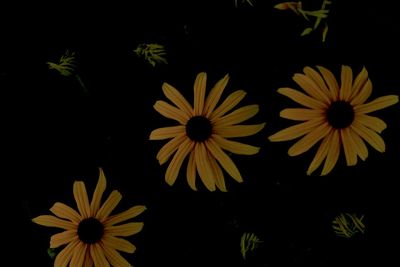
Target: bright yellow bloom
203, 133
91, 235
336, 115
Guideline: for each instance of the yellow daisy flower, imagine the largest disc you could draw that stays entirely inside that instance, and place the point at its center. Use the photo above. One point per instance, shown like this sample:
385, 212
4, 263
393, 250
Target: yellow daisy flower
203, 133
92, 236
336, 115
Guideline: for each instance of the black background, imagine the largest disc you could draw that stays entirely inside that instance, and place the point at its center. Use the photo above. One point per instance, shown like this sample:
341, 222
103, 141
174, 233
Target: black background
55, 134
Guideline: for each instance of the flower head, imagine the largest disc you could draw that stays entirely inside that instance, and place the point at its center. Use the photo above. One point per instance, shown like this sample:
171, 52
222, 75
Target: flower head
336, 115
91, 235
202, 133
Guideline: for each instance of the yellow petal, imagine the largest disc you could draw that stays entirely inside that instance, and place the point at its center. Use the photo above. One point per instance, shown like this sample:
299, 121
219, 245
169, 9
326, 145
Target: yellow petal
214, 95
321, 153
199, 93
361, 148
167, 132
377, 104
230, 102
109, 205
171, 112
296, 131
348, 147
235, 147
219, 176
191, 171
63, 238
169, 148
363, 94
368, 135
98, 193
237, 116
81, 199
333, 153
311, 88
88, 259
176, 97
124, 229
309, 140
371, 122
78, 257
123, 216
118, 244
359, 82
65, 255
224, 160
203, 166
52, 221
316, 77
302, 99
330, 81
346, 83
238, 130
98, 257
174, 166
115, 258
301, 114
66, 212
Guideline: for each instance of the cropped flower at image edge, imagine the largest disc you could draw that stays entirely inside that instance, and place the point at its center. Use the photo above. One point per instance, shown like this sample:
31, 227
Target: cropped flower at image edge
336, 115
92, 236
203, 132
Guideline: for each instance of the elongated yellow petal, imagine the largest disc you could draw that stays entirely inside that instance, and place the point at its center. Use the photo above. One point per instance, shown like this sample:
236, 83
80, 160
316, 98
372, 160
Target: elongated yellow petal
204, 168
109, 205
66, 212
302, 99
124, 229
224, 160
169, 148
369, 135
235, 147
319, 81
118, 244
123, 216
348, 147
321, 153
333, 153
237, 116
176, 97
171, 112
191, 171
65, 255
173, 168
167, 132
311, 88
114, 257
78, 256
199, 93
361, 148
214, 95
363, 94
296, 131
330, 81
377, 104
238, 130
52, 221
346, 83
309, 140
359, 82
371, 122
98, 193
98, 257
230, 102
301, 114
63, 238
81, 199
219, 176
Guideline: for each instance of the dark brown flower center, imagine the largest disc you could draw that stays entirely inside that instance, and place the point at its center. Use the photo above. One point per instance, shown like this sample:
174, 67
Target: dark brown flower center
198, 128
340, 114
90, 230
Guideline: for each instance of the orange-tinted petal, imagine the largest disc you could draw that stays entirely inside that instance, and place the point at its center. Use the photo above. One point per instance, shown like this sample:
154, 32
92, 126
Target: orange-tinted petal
311, 88
98, 193
377, 104
167, 132
330, 81
203, 166
296, 131
371, 122
346, 83
171, 112
123, 216
81, 199
96, 251
361, 148
235, 147
78, 257
219, 176
230, 102
321, 153
174, 166
238, 130
118, 244
65, 255
359, 82
52, 221
169, 148
302, 99
176, 97
348, 147
316, 77
124, 229
191, 171
301, 114
363, 94
237, 116
63, 238
305, 143
66, 212
333, 153
214, 95
114, 257
369, 135
199, 93
109, 205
